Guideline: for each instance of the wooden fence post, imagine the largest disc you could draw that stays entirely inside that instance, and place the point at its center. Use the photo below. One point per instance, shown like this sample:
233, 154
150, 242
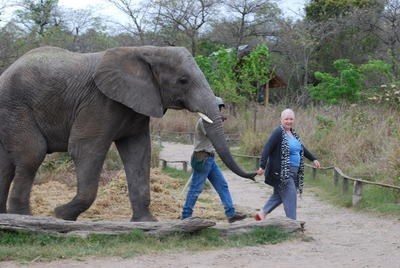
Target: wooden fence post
335, 177
345, 188
257, 162
159, 138
163, 163
185, 165
357, 189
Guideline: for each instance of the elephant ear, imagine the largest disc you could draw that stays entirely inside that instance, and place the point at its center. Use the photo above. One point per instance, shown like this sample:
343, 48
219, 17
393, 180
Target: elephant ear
125, 76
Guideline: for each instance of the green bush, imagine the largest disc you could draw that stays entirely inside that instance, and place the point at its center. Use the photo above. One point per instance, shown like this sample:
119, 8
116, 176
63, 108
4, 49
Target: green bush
334, 89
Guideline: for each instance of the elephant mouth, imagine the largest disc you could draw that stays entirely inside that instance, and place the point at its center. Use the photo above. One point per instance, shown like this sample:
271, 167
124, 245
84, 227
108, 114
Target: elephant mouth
175, 107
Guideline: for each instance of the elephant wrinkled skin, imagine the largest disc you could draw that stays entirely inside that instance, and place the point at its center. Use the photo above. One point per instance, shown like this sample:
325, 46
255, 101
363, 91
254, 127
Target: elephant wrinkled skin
53, 100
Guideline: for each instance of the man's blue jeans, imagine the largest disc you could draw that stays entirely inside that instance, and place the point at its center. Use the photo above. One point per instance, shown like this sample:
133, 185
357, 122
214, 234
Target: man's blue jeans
287, 196
214, 175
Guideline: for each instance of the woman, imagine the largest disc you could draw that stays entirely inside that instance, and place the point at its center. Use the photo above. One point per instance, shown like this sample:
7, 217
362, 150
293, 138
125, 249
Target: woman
283, 158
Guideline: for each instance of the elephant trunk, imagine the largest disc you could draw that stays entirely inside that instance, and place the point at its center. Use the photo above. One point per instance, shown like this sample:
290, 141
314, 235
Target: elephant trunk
215, 133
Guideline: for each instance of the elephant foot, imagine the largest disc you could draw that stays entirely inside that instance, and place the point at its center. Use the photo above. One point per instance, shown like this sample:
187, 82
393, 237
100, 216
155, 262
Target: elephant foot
63, 212
16, 207
19, 210
3, 209
143, 217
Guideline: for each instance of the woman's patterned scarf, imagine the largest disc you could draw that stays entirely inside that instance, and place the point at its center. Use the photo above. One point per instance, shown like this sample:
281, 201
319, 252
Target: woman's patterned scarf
285, 163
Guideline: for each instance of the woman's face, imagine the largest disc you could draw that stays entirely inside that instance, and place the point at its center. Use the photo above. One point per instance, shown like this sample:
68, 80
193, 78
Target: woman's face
287, 120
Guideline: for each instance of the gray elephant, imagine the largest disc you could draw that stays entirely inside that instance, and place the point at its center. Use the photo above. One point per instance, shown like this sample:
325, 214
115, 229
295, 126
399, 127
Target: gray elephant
53, 100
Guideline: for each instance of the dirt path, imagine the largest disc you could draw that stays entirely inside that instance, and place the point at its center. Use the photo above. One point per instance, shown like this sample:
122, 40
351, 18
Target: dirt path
339, 237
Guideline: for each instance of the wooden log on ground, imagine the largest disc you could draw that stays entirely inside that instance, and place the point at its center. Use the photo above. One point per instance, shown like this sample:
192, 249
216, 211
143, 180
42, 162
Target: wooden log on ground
284, 223
39, 224
14, 222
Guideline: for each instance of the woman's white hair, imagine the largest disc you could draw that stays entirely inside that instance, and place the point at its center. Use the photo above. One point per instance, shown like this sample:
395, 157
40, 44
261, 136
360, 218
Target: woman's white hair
287, 111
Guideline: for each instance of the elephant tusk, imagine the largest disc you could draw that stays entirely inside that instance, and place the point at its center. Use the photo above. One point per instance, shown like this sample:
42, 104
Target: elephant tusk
206, 118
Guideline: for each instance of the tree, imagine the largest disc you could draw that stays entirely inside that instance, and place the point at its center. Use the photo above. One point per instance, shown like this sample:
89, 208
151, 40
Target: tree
246, 19
323, 10
80, 20
293, 54
253, 72
185, 17
138, 13
38, 15
3, 5
386, 27
344, 27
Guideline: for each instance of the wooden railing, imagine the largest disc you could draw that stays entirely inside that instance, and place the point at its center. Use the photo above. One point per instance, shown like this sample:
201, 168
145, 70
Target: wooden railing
190, 135
357, 182
184, 163
337, 174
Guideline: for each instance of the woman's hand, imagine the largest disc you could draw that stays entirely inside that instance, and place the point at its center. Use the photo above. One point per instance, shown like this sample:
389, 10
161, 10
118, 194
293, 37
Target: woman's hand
260, 171
316, 164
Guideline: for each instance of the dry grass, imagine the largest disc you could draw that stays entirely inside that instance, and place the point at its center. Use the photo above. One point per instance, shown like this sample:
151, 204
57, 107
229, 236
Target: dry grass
112, 201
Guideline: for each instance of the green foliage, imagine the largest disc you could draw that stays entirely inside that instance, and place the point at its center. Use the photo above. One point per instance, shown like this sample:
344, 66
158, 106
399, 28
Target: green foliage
322, 10
218, 69
206, 47
254, 72
234, 81
374, 74
344, 87
372, 81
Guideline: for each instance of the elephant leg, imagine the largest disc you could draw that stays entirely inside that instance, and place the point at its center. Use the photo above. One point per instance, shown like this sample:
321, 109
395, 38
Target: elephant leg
135, 153
88, 158
7, 172
26, 165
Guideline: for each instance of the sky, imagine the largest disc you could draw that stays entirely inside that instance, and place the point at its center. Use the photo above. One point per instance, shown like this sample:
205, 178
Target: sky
290, 8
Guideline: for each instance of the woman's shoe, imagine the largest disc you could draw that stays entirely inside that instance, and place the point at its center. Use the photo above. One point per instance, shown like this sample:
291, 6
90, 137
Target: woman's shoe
260, 216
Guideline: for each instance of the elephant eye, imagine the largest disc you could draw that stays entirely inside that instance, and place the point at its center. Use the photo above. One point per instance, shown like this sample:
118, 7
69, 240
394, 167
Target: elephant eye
183, 81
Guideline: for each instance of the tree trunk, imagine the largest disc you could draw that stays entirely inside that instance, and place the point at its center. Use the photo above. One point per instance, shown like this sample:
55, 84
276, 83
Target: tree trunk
266, 94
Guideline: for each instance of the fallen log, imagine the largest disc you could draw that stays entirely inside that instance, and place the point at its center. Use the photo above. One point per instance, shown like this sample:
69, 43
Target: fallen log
283, 223
14, 222
39, 224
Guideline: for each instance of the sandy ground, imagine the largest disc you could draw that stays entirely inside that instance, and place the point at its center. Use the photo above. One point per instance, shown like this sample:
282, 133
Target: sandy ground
339, 237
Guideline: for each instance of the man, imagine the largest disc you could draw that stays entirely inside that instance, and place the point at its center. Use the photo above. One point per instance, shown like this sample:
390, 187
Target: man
204, 166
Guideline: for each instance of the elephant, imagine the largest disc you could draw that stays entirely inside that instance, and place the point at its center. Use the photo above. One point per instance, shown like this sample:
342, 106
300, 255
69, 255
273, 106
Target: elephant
55, 100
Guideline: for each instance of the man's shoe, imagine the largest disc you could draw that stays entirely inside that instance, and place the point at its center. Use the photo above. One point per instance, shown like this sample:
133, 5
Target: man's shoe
237, 217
